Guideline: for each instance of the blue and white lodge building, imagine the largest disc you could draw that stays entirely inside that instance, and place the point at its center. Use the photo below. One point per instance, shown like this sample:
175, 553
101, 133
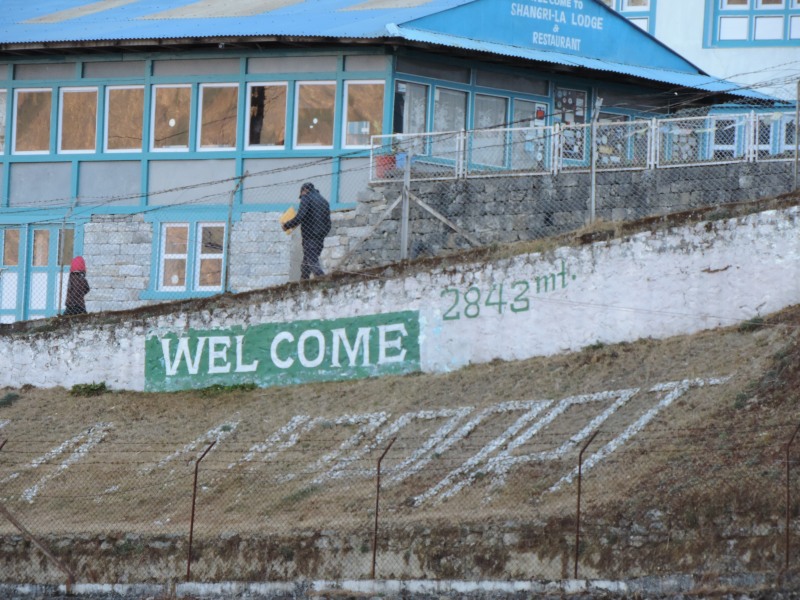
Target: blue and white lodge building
163, 140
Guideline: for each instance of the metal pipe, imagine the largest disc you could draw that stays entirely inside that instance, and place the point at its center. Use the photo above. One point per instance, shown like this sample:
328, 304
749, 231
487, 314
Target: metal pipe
788, 496
194, 498
377, 504
578, 514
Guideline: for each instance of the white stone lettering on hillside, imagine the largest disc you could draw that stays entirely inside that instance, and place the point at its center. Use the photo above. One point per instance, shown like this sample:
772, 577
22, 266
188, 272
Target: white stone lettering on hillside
217, 434
675, 389
540, 431
368, 423
411, 464
89, 438
261, 448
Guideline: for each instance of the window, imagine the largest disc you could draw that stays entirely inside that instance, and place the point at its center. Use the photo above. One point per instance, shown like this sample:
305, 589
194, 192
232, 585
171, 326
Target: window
630, 5
78, 120
32, 121
364, 112
410, 108
174, 257
124, 118
210, 250
266, 116
489, 147
315, 113
197, 249
171, 112
41, 247
11, 248
754, 23
218, 111
66, 246
449, 115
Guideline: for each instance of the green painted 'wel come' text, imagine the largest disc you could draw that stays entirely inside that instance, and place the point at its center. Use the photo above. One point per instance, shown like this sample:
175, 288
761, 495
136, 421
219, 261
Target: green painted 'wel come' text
284, 353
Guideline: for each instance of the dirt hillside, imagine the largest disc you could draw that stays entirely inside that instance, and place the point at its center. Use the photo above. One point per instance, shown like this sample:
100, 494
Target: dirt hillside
682, 446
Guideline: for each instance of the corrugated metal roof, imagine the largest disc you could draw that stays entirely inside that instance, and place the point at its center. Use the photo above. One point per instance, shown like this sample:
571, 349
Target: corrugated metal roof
42, 21
31, 22
676, 78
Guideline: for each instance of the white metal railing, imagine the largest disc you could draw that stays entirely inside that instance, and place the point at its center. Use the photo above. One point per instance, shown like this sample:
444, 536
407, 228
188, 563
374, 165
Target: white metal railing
637, 144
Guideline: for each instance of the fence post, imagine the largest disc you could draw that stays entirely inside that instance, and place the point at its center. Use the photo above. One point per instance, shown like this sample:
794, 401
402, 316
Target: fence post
578, 512
404, 212
227, 253
194, 498
11, 519
788, 496
653, 144
377, 506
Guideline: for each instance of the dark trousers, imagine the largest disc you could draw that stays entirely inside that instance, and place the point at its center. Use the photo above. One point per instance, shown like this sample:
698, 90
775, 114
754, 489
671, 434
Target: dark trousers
312, 248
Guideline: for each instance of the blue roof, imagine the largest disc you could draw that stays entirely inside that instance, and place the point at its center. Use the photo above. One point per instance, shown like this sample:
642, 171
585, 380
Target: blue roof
555, 32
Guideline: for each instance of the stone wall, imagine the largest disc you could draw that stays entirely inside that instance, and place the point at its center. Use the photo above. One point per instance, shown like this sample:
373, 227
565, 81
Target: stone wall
509, 209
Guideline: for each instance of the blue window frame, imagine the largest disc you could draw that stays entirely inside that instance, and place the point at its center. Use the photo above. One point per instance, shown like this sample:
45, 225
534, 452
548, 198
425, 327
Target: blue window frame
190, 259
752, 23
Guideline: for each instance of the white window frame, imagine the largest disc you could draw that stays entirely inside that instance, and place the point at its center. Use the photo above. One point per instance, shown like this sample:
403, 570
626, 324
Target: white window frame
626, 7
250, 86
345, 122
15, 113
163, 256
200, 147
725, 5
296, 116
198, 243
106, 106
153, 108
69, 90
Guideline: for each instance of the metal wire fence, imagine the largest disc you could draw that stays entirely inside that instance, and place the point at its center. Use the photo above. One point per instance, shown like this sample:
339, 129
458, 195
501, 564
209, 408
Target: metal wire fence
447, 494
409, 196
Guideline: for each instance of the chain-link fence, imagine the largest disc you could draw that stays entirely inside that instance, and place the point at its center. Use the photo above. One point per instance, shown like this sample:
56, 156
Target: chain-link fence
409, 196
511, 491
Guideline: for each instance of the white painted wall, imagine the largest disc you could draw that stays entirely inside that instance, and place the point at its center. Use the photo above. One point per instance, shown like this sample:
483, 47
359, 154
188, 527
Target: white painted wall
653, 284
773, 70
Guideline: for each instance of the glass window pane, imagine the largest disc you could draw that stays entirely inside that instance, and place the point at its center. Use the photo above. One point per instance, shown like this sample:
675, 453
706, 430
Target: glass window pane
770, 4
32, 125
267, 115
78, 120
210, 272
174, 272
41, 243
735, 3
219, 105
769, 28
3, 100
364, 113
733, 28
490, 111
315, 109
449, 110
171, 117
125, 116
636, 5
176, 240
410, 108
11, 248
212, 239
66, 246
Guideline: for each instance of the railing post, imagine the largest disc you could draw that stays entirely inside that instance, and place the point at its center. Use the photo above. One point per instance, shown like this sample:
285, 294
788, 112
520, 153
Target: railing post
788, 497
578, 512
377, 506
194, 498
653, 145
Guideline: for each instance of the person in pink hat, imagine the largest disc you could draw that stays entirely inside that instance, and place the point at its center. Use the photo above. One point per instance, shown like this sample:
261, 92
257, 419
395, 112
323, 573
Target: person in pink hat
77, 288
